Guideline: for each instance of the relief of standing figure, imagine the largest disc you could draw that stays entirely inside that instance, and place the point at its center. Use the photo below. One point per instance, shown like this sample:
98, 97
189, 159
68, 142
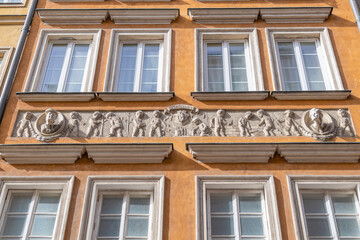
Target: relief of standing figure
95, 125
73, 125
139, 125
344, 123
244, 125
267, 121
201, 127
157, 125
24, 127
290, 123
116, 129
219, 123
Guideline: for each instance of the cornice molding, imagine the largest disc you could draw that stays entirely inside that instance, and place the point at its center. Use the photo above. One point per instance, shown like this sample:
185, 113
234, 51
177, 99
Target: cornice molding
226, 96
311, 95
295, 14
12, 19
223, 15
72, 16
135, 96
144, 16
55, 97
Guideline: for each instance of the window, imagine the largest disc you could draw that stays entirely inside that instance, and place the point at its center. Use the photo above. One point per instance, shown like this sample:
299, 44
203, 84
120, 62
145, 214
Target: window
236, 207
10, 1
139, 61
123, 208
326, 207
228, 60
67, 61
302, 59
34, 207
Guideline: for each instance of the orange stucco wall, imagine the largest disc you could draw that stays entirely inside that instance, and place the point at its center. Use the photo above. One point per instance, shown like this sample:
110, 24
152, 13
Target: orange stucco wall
180, 168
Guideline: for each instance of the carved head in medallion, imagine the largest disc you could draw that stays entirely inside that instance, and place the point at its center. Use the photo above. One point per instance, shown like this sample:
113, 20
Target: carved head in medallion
50, 116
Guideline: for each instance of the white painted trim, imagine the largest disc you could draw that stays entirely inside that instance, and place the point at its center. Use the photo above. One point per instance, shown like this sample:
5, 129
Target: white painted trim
5, 53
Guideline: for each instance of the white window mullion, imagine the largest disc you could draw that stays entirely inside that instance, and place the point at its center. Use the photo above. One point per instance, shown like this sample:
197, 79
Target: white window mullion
139, 66
301, 66
30, 218
160, 83
331, 218
236, 207
226, 66
84, 83
205, 69
263, 212
124, 211
65, 68
249, 67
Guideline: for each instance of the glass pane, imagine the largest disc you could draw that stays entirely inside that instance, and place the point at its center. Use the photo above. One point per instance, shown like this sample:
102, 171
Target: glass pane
14, 225
308, 48
348, 226
250, 204
20, 202
109, 226
43, 225
315, 79
288, 61
285, 48
111, 204
251, 226
137, 226
77, 67
215, 67
139, 205
238, 67
314, 203
48, 203
344, 204
221, 203
222, 225
240, 86
54, 67
318, 226
150, 67
127, 68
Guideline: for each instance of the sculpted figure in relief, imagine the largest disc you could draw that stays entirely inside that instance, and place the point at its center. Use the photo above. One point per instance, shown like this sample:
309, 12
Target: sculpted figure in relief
24, 127
200, 127
157, 125
182, 118
95, 125
219, 123
344, 123
289, 123
316, 120
49, 126
244, 125
139, 125
117, 127
267, 121
73, 125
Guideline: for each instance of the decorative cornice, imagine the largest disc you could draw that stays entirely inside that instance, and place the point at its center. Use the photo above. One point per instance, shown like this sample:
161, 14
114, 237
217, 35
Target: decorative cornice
144, 16
55, 97
231, 153
72, 16
311, 95
223, 15
134, 96
214, 96
295, 14
12, 19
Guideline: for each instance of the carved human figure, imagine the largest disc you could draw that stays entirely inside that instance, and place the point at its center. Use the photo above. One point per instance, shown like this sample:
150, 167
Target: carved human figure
117, 126
267, 121
316, 120
139, 125
219, 123
49, 126
344, 123
157, 125
200, 127
289, 123
244, 124
182, 118
24, 127
95, 125
73, 125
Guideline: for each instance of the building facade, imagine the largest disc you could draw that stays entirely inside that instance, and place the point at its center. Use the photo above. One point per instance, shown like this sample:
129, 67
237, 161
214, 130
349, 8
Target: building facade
184, 120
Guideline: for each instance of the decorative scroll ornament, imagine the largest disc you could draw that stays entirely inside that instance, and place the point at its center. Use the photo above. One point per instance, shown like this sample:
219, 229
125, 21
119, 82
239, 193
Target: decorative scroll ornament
183, 121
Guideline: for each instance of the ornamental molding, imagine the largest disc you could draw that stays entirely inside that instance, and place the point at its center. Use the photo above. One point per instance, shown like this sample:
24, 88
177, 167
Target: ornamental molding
295, 14
184, 121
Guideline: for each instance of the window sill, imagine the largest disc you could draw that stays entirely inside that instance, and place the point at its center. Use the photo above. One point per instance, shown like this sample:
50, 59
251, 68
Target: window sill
214, 96
55, 97
135, 96
311, 95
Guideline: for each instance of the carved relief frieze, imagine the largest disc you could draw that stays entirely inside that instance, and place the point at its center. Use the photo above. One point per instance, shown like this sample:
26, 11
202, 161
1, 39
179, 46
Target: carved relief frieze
182, 121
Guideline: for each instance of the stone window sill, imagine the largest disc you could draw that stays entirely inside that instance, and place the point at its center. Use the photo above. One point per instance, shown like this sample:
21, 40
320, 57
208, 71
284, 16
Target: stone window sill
135, 96
56, 97
311, 95
214, 96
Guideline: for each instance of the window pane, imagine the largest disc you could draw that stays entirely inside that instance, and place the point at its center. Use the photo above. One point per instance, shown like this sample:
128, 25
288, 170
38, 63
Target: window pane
111, 204
289, 68
314, 203
127, 68
251, 226
77, 67
250, 204
344, 204
238, 67
348, 226
221, 203
43, 225
150, 68
137, 226
20, 202
48, 203
139, 205
215, 67
14, 225
53, 68
318, 226
222, 225
109, 226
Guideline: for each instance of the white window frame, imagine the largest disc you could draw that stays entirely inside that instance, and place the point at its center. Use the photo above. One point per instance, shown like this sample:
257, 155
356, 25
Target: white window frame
318, 184
42, 53
96, 185
325, 52
245, 184
5, 54
7, 3
231, 35
135, 36
63, 184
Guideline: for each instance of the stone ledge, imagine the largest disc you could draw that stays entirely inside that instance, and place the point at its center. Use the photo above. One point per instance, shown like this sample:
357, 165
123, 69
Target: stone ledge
214, 96
295, 14
129, 153
144, 16
72, 16
55, 97
311, 95
12, 19
135, 96
231, 152
223, 15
